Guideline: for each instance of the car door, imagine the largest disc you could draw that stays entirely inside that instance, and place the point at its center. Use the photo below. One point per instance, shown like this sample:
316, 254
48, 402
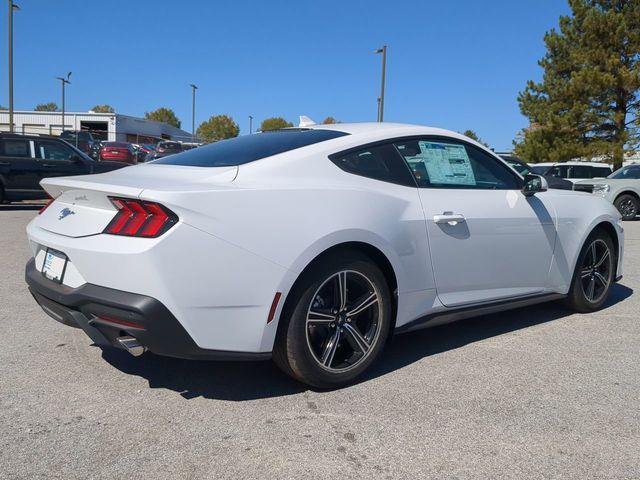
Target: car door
18, 168
58, 160
487, 241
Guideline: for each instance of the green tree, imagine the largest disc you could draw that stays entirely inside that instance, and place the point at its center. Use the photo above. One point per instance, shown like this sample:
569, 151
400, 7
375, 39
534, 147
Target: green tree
329, 120
164, 115
46, 107
103, 109
218, 127
274, 123
588, 101
474, 136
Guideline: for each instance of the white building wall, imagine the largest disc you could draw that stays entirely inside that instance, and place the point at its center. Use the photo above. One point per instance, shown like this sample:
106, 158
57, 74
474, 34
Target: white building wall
119, 127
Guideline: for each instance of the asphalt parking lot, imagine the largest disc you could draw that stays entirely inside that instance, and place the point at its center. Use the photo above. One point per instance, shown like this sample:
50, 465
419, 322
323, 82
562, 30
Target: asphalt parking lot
532, 393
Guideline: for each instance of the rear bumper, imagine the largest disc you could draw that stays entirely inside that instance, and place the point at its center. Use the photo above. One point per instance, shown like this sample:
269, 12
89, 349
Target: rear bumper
105, 313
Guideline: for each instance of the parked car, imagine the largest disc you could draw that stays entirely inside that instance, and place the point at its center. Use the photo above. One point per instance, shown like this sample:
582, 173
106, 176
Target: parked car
118, 151
573, 171
81, 139
27, 159
141, 151
94, 151
525, 169
312, 246
622, 188
164, 149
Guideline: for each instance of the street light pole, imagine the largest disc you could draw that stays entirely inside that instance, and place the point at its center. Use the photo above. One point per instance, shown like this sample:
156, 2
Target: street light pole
12, 7
64, 81
193, 112
383, 51
250, 124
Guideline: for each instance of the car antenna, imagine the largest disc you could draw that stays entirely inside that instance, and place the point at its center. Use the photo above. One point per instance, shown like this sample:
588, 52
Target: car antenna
305, 121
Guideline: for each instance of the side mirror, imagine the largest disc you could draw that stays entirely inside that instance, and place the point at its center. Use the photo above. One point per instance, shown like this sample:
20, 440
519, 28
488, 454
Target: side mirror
76, 158
534, 184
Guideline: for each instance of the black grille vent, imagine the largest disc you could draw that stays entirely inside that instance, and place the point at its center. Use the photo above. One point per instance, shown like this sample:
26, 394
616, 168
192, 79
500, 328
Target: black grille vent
583, 187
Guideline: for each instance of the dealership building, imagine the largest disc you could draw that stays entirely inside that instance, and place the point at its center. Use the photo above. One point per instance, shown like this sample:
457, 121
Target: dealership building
104, 126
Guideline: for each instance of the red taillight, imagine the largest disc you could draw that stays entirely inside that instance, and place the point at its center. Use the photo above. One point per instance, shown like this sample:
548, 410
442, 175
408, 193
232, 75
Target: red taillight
46, 205
138, 218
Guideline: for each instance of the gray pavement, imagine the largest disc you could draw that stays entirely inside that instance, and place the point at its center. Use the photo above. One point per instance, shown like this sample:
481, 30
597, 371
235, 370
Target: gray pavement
532, 393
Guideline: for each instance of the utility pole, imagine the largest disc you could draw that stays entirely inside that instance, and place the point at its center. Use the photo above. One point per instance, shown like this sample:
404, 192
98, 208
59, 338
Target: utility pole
250, 124
64, 81
383, 51
193, 112
12, 7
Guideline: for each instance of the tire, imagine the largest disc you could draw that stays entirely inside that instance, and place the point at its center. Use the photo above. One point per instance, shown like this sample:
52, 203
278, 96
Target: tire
327, 343
628, 206
592, 279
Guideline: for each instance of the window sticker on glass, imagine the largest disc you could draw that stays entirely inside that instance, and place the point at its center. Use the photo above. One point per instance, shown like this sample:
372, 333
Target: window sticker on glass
445, 163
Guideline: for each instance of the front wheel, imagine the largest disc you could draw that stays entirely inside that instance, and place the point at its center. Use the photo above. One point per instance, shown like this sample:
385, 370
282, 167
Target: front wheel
594, 273
338, 324
628, 206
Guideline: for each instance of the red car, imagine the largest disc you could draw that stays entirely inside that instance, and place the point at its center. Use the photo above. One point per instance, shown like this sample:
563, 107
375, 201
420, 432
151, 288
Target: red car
118, 151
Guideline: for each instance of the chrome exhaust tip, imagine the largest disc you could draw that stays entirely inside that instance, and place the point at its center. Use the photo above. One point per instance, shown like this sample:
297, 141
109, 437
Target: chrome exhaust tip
132, 345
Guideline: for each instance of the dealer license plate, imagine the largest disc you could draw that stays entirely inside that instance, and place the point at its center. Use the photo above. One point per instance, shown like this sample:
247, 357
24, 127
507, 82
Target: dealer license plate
54, 265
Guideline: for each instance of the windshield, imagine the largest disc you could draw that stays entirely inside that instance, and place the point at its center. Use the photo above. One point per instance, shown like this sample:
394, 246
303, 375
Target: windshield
248, 148
539, 170
521, 168
630, 172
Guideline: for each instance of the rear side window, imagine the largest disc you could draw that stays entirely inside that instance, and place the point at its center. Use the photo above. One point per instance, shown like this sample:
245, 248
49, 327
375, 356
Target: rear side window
248, 148
601, 171
15, 148
380, 162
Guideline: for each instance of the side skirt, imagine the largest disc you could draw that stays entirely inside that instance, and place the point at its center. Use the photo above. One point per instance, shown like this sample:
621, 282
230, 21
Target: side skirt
460, 313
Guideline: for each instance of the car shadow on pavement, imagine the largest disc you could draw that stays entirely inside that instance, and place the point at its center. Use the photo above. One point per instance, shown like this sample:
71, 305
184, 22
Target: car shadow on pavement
238, 381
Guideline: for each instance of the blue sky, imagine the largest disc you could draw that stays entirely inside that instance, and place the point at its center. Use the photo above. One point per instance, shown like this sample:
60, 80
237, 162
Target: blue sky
454, 65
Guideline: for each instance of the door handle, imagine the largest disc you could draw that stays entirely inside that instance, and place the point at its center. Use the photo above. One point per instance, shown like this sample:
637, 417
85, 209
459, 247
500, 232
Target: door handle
48, 164
5, 163
449, 218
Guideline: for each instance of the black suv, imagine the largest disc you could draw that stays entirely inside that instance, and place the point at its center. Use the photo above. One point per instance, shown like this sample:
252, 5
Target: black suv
27, 159
82, 140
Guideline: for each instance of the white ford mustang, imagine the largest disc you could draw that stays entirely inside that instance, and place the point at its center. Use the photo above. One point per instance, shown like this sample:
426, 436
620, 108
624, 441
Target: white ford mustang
312, 245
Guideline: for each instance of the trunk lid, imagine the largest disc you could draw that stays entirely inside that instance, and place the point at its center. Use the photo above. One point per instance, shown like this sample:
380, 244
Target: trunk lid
82, 206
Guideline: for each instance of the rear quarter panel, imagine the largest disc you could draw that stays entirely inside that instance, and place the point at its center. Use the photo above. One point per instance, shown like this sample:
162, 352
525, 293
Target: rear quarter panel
290, 219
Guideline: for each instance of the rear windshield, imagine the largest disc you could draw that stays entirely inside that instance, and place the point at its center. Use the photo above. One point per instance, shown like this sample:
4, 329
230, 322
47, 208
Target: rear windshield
115, 144
72, 135
248, 148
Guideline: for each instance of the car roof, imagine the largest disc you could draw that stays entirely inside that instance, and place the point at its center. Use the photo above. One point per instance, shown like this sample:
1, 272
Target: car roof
29, 136
575, 163
368, 127
372, 131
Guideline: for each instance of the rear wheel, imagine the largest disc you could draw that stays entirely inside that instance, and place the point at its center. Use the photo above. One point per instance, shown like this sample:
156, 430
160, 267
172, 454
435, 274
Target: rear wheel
594, 273
340, 319
628, 206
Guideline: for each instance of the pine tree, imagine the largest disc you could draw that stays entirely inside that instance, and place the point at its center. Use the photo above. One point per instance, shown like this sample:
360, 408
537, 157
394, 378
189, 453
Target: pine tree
588, 102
